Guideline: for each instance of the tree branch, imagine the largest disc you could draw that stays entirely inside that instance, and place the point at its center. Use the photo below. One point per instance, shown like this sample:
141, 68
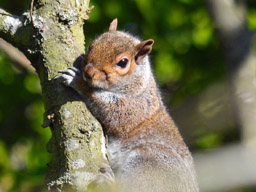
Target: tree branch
15, 55
15, 30
227, 168
229, 18
211, 111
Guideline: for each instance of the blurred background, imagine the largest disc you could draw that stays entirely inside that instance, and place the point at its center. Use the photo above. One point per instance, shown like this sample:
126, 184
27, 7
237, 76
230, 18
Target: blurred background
204, 60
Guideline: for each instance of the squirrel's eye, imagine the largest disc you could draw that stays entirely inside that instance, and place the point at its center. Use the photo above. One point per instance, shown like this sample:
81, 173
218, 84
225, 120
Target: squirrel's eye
123, 63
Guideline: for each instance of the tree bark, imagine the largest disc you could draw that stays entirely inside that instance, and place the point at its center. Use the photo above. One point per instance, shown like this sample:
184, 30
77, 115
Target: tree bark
54, 42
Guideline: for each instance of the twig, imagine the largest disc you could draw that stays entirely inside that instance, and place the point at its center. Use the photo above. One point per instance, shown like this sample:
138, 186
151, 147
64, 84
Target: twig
15, 55
31, 11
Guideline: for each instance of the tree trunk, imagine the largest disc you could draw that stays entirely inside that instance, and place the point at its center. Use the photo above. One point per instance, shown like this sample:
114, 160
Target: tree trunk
53, 40
233, 167
230, 19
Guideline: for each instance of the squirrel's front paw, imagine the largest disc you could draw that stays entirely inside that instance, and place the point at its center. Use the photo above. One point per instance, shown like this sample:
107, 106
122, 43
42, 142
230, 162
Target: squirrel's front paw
105, 181
106, 175
70, 77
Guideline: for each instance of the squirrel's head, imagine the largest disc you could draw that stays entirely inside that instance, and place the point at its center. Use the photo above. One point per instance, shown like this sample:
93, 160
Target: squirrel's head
113, 57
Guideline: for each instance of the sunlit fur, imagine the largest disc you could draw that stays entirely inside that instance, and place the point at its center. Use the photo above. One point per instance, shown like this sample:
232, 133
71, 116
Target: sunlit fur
146, 150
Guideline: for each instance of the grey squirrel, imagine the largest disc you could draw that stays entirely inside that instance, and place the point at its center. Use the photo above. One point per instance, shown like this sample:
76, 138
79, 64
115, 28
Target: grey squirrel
146, 150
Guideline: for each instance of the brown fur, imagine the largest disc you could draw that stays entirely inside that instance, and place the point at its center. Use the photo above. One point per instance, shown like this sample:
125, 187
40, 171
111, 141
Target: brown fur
151, 155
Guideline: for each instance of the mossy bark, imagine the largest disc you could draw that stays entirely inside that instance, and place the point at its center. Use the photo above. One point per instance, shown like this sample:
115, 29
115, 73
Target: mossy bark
55, 41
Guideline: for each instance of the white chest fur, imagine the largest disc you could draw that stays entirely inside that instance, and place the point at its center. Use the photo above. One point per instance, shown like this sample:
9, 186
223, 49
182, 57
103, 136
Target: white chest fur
108, 97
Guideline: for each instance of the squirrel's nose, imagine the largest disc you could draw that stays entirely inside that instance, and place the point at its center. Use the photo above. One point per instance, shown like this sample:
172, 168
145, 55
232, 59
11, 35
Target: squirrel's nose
91, 73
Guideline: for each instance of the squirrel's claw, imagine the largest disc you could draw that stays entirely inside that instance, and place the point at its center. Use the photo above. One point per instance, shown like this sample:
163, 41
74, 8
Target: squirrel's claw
72, 71
65, 79
69, 76
105, 181
107, 175
76, 70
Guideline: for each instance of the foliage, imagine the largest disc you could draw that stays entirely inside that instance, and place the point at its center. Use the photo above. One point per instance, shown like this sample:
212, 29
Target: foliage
186, 57
22, 141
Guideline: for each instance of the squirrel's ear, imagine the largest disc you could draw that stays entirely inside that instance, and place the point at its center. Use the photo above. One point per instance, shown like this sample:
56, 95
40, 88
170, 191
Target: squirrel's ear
113, 25
142, 49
